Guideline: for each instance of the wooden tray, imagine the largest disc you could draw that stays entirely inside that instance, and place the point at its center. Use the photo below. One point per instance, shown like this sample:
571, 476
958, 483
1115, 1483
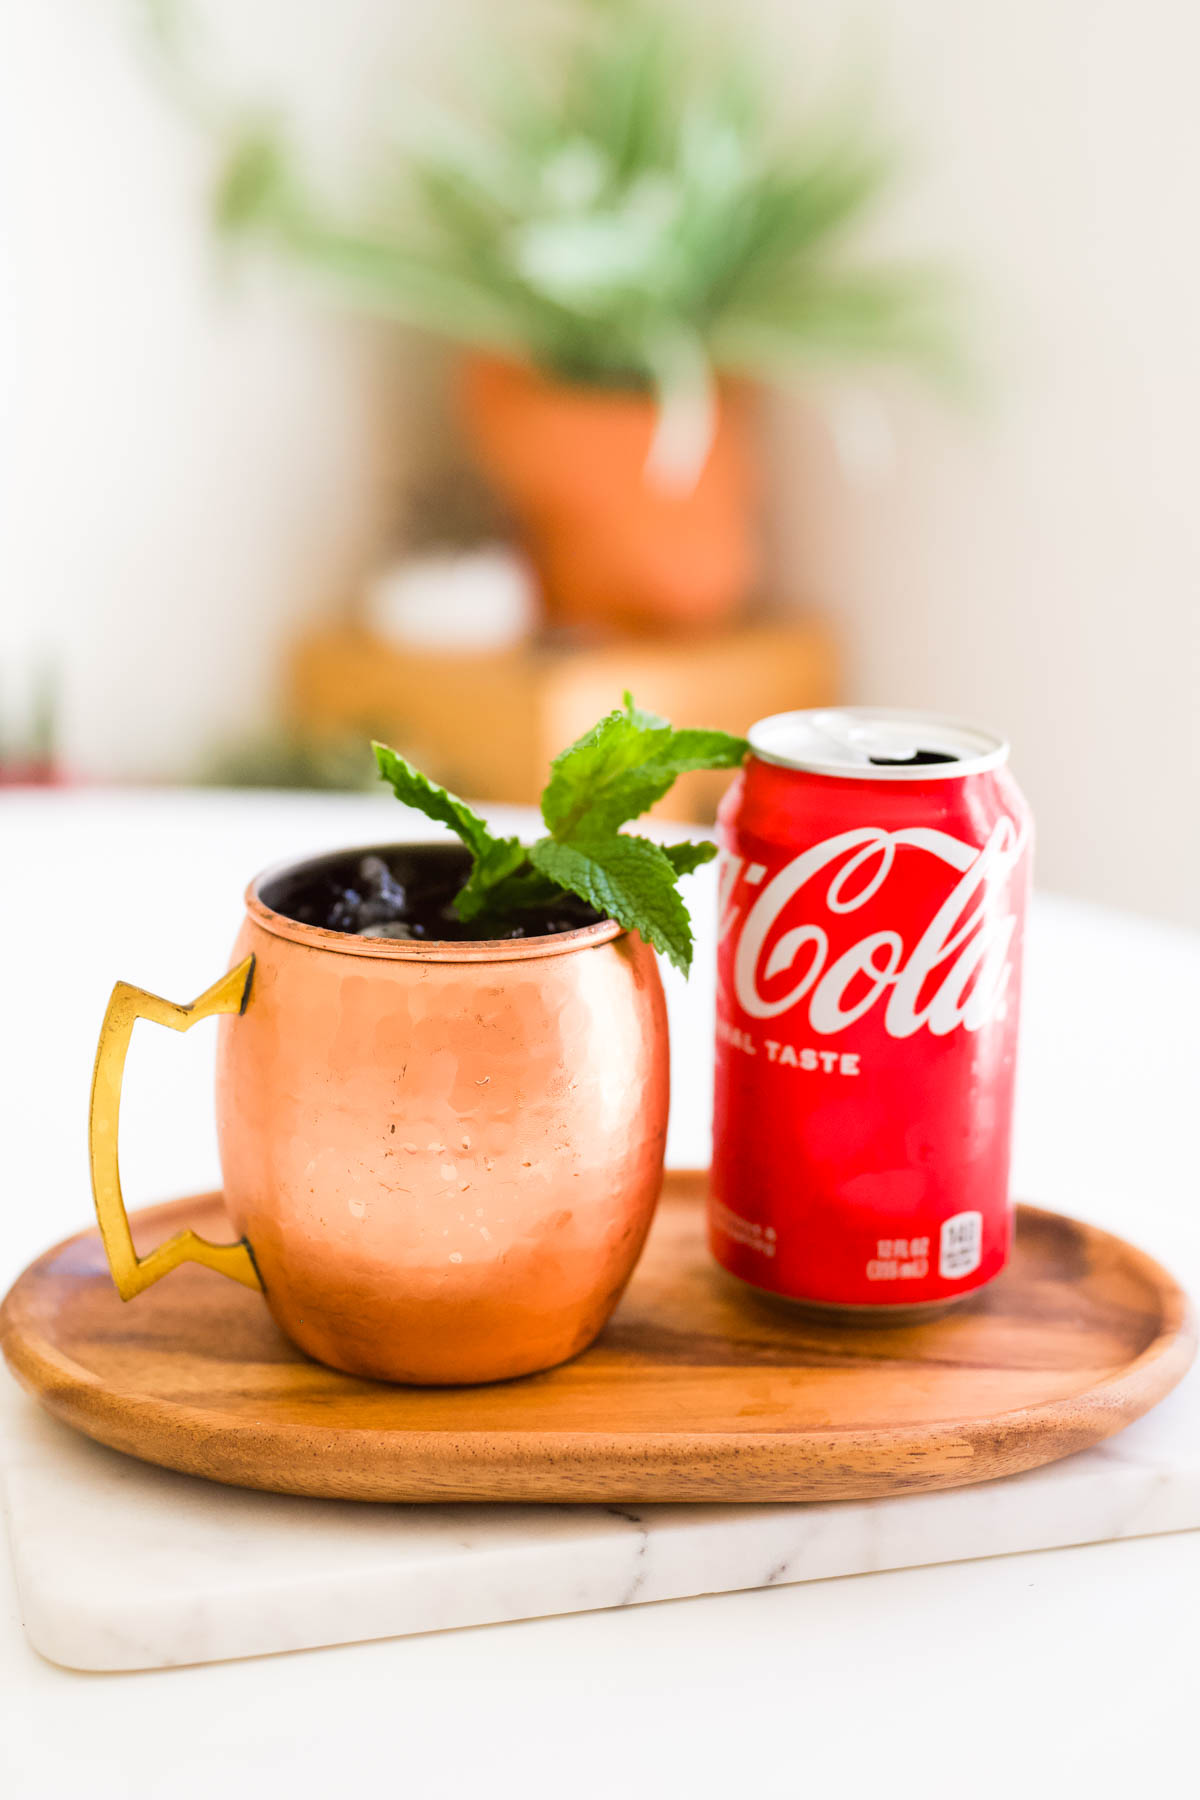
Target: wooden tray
698, 1389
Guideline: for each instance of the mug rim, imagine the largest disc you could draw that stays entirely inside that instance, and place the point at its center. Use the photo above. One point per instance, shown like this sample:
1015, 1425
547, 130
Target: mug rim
444, 950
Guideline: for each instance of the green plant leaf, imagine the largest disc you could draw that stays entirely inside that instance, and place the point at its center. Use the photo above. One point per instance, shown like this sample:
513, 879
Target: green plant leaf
863, 316
698, 749
493, 870
623, 765
628, 879
608, 755
618, 206
520, 892
649, 721
497, 861
683, 858
417, 790
253, 183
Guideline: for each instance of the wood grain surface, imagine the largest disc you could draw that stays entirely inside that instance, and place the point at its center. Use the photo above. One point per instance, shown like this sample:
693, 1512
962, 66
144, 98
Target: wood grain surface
699, 1389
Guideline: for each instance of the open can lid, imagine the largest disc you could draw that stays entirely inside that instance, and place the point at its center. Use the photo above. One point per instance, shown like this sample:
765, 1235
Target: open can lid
877, 743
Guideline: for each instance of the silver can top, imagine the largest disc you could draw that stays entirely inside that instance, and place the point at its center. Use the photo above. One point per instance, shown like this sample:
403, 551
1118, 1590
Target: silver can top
876, 743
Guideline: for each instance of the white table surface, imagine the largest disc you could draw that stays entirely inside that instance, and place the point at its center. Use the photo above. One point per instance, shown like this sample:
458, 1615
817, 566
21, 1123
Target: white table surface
1074, 1667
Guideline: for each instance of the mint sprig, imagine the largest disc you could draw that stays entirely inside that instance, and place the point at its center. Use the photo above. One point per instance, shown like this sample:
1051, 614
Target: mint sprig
496, 860
610, 776
417, 790
628, 879
619, 768
683, 858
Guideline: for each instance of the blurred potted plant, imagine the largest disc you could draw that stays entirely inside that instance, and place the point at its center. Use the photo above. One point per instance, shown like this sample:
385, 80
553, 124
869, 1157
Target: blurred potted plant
29, 732
618, 243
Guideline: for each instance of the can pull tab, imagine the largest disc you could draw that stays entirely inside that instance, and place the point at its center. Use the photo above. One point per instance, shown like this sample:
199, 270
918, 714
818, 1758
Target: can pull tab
880, 744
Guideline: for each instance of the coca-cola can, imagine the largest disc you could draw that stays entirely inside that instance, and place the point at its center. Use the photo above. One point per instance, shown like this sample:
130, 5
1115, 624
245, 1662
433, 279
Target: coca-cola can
874, 880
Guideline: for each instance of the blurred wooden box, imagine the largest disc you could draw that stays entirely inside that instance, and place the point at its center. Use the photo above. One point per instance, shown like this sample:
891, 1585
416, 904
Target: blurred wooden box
488, 724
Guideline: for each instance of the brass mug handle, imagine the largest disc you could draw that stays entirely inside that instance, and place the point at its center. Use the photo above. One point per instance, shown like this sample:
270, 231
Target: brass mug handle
132, 1272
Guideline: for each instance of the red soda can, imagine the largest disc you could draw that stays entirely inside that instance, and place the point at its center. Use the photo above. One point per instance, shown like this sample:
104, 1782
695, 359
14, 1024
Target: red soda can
874, 880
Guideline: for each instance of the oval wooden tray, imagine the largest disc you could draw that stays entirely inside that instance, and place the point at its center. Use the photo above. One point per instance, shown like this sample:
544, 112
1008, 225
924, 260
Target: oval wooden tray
698, 1389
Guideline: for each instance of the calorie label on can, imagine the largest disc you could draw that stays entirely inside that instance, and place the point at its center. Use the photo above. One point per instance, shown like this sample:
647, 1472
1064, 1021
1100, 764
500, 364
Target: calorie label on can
874, 880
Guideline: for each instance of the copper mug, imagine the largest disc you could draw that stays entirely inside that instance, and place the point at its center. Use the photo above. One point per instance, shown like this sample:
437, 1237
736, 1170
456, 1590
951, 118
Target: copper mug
442, 1158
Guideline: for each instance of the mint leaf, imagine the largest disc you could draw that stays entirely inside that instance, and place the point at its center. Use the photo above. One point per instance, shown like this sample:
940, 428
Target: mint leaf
683, 858
414, 789
629, 879
630, 795
616, 771
704, 750
496, 859
490, 875
522, 891
648, 720
596, 764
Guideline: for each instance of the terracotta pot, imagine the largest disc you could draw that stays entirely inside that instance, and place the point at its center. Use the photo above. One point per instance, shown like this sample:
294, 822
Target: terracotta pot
612, 545
443, 1157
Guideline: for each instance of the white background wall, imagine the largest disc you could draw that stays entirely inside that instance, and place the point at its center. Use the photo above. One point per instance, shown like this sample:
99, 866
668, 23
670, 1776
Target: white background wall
191, 462
1037, 563
191, 466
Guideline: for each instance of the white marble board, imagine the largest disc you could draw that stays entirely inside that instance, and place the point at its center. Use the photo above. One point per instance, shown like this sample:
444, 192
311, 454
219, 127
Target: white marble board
124, 1566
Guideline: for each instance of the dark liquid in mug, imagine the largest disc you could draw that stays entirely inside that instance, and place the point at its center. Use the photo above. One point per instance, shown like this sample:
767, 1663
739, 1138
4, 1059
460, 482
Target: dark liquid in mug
405, 893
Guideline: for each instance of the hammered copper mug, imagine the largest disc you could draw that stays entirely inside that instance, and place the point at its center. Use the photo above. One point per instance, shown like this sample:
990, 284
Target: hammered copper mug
442, 1158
